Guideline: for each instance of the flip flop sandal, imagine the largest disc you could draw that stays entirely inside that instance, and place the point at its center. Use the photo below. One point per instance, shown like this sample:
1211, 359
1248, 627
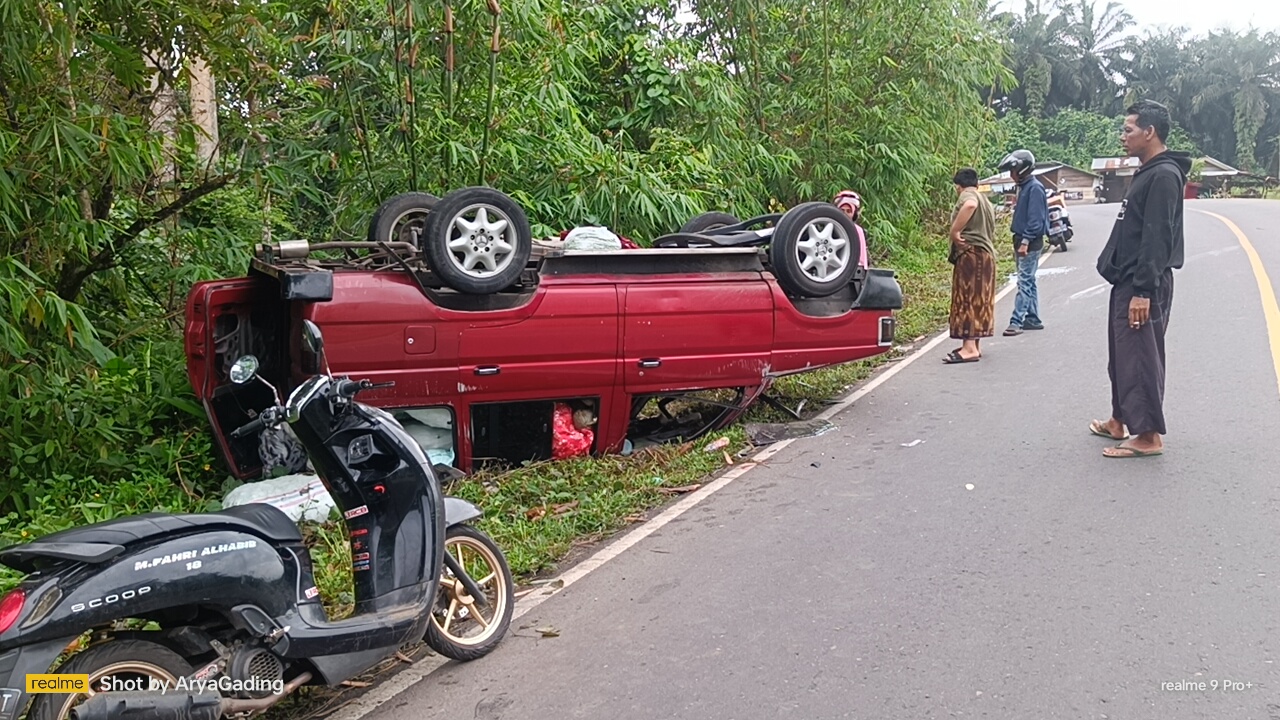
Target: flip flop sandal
1130, 452
955, 358
1099, 428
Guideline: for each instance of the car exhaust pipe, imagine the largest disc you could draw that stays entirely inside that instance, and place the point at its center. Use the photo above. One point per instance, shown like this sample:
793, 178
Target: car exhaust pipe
207, 705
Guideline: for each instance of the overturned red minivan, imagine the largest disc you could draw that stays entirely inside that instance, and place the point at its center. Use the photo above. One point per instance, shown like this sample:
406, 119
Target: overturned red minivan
485, 334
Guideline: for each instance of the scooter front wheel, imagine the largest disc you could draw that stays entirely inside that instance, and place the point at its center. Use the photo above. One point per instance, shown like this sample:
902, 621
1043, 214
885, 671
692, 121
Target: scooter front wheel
463, 627
137, 665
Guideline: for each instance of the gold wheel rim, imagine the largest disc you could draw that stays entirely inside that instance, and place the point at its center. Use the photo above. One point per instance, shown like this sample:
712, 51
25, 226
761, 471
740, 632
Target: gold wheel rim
131, 667
462, 610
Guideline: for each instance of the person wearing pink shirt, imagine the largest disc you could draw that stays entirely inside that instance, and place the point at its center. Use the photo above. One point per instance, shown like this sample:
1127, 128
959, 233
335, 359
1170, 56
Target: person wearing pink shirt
851, 203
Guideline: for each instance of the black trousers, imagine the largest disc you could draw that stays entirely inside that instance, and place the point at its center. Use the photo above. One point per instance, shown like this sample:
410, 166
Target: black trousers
1136, 359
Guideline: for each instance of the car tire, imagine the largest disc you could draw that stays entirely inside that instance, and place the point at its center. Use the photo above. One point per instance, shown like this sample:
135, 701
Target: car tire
709, 221
402, 218
478, 240
814, 251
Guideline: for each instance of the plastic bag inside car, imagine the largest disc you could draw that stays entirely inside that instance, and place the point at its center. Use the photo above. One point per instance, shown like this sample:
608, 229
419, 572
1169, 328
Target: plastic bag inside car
591, 238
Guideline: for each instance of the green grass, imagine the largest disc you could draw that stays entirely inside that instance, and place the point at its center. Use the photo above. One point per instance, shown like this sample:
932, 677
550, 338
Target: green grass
66, 502
540, 513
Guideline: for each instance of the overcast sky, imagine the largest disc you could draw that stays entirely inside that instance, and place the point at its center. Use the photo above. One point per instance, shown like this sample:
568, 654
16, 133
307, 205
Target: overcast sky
1199, 16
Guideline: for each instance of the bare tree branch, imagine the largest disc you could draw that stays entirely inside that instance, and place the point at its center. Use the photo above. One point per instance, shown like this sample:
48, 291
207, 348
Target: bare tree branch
74, 275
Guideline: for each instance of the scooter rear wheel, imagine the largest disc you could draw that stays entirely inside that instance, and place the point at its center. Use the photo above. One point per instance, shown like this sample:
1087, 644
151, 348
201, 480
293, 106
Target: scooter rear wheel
459, 628
127, 661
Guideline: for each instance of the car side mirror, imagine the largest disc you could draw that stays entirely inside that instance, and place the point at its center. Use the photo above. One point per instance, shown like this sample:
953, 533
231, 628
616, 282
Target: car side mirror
315, 339
315, 342
244, 370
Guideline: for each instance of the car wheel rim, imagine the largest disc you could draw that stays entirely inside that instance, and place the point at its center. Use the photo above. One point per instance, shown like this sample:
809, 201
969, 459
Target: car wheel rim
408, 227
482, 240
822, 252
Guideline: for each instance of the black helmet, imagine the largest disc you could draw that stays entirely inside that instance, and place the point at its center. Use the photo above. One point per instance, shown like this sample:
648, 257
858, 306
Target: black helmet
1018, 161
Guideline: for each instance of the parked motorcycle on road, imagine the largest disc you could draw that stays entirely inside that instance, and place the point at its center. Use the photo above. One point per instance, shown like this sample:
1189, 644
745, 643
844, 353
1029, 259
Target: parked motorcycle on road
1060, 231
226, 616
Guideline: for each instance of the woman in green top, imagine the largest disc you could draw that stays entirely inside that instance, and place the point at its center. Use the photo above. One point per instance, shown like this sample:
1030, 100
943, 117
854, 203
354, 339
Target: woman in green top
973, 281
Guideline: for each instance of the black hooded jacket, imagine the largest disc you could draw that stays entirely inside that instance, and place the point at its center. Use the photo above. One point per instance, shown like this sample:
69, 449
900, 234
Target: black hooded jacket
1147, 237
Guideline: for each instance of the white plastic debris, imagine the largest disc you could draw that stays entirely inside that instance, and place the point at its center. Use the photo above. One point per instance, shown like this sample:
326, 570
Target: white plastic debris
913, 443
591, 238
432, 417
968, 486
301, 497
432, 429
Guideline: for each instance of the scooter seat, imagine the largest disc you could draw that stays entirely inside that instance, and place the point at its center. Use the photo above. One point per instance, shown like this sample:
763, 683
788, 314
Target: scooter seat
260, 519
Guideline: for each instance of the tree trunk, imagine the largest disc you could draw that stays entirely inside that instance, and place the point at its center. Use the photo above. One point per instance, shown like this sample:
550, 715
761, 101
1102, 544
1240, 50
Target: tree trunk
164, 120
204, 112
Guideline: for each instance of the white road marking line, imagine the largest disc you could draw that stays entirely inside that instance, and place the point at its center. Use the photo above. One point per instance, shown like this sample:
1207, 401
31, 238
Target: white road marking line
1089, 292
384, 691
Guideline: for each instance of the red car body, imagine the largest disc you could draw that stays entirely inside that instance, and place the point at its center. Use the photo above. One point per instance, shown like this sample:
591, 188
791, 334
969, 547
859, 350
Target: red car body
609, 329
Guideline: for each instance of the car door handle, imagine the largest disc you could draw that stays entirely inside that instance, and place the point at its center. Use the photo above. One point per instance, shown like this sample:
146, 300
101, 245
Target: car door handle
650, 362
488, 370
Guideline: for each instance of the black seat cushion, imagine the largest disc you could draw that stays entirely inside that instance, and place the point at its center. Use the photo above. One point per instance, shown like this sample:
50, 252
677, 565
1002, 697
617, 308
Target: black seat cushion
258, 518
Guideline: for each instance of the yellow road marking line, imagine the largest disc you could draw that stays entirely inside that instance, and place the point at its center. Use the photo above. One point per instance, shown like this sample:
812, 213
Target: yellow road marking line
1270, 308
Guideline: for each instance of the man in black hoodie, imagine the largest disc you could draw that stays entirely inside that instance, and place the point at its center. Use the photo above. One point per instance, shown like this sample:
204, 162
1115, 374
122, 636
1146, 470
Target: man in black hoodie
1144, 249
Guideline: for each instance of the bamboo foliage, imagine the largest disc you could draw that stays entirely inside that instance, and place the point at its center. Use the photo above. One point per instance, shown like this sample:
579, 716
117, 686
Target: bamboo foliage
879, 95
613, 112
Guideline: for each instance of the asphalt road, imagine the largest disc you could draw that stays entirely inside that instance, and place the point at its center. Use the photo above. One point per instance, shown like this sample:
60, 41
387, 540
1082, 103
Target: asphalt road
855, 576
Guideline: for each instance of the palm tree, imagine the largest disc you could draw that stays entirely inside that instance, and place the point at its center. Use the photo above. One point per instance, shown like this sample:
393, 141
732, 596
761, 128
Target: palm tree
1039, 57
1155, 67
1099, 40
1243, 70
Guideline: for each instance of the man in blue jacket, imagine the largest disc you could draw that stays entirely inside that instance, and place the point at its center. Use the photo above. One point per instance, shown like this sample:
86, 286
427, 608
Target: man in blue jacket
1030, 226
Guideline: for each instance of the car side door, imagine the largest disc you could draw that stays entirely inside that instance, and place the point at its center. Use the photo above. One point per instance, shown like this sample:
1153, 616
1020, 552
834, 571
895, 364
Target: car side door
564, 346
701, 332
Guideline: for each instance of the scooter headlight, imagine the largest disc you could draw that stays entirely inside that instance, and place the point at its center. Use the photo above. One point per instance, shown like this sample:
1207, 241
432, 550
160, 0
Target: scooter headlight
301, 396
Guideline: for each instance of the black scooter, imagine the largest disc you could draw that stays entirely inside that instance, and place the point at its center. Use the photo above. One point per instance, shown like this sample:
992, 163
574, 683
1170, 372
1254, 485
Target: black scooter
206, 615
1060, 229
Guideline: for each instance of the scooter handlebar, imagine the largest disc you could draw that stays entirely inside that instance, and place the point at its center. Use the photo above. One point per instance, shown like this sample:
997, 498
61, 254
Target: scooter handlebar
350, 388
251, 427
268, 417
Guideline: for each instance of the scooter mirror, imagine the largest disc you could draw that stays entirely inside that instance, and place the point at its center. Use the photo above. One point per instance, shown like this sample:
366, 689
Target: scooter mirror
311, 332
244, 369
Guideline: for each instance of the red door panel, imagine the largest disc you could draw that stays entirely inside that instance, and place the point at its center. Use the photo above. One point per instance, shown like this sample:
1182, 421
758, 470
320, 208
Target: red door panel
567, 346
381, 327
806, 342
697, 334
